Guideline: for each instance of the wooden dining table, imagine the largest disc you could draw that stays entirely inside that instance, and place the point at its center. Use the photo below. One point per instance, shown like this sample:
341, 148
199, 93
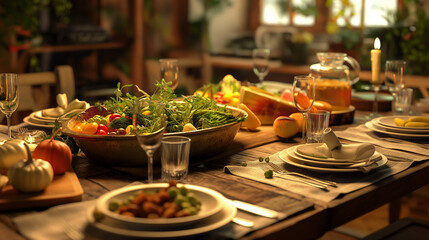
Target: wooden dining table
310, 223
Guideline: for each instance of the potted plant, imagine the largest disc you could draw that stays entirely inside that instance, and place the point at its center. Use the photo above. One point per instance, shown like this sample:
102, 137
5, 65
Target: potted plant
20, 25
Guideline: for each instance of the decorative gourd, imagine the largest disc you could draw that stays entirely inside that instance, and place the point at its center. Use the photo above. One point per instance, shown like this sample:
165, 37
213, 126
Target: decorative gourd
11, 152
57, 153
30, 175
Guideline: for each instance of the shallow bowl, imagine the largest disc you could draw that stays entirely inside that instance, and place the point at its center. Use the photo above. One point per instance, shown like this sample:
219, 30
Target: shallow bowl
124, 150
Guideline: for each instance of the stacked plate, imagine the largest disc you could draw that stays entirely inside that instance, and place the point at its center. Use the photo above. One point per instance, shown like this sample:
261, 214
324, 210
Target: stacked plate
38, 120
387, 125
295, 157
216, 211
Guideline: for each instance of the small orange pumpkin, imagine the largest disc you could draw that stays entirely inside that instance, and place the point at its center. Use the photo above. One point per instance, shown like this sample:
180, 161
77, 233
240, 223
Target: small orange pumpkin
57, 153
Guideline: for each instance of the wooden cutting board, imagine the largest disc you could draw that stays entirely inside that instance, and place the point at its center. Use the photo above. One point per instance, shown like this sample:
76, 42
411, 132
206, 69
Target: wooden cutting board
63, 189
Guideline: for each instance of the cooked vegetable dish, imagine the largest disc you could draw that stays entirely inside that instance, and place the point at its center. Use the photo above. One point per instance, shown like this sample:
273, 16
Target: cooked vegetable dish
169, 202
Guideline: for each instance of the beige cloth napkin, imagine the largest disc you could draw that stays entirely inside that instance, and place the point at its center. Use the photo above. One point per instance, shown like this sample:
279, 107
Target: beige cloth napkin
413, 149
346, 182
65, 107
349, 152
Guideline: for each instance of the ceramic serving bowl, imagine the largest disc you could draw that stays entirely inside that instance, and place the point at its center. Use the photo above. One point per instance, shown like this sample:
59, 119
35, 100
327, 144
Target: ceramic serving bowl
124, 150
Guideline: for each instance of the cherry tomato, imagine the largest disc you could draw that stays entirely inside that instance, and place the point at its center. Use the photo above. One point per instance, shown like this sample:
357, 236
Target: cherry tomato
114, 116
108, 119
90, 128
129, 129
102, 127
101, 132
78, 128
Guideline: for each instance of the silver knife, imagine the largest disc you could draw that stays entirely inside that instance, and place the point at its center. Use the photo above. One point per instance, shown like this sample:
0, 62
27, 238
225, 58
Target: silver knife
243, 222
265, 212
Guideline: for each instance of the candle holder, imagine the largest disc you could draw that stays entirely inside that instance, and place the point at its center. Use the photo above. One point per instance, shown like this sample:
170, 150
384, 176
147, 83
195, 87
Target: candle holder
376, 80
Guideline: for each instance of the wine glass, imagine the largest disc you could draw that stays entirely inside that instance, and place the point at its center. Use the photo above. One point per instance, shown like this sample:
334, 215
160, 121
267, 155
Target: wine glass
8, 96
303, 97
169, 69
394, 77
149, 129
261, 66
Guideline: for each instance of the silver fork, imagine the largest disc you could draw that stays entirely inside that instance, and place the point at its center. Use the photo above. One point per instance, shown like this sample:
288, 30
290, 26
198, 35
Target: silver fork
284, 172
288, 177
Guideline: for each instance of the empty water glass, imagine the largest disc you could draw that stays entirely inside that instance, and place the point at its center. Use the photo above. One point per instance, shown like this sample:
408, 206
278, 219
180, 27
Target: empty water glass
402, 101
175, 158
317, 122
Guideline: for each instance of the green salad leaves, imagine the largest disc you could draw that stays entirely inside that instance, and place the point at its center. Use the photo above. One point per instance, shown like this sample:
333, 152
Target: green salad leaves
201, 112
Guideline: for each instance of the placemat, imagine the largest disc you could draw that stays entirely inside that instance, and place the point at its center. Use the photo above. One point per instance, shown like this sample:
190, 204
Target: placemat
69, 221
346, 182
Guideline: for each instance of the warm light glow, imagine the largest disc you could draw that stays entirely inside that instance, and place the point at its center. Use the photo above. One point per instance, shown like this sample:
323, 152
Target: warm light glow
30, 139
377, 43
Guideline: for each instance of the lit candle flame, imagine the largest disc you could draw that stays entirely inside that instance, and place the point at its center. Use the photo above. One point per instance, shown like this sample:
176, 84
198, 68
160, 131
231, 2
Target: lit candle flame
377, 43
30, 139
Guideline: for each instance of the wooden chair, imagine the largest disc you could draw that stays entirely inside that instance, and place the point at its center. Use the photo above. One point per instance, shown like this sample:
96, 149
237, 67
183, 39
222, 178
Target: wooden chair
38, 90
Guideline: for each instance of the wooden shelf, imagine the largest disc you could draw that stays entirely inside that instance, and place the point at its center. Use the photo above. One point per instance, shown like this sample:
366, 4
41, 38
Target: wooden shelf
276, 66
77, 47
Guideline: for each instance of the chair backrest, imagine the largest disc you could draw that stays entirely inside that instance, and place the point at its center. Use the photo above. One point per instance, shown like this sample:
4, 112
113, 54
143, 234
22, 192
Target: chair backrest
36, 89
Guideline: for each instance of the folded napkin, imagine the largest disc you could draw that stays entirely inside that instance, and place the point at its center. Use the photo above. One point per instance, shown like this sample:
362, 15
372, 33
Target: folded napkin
332, 148
355, 151
64, 106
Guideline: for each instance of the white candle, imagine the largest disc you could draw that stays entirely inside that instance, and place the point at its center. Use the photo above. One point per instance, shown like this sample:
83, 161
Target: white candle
375, 61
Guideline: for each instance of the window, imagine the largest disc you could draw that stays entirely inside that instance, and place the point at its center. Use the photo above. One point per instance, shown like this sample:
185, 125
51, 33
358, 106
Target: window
304, 12
289, 12
375, 12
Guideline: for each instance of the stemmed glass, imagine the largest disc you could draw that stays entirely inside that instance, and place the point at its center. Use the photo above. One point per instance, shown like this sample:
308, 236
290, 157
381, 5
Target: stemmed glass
394, 77
8, 96
169, 69
303, 97
261, 66
149, 129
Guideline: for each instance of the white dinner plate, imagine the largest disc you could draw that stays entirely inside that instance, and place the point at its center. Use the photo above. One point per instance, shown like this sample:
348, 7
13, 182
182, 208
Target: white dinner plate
39, 115
389, 121
35, 119
293, 150
371, 126
214, 222
298, 163
211, 203
30, 122
338, 164
377, 124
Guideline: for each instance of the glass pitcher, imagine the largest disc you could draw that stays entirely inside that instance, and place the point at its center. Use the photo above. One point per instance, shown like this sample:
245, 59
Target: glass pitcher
335, 74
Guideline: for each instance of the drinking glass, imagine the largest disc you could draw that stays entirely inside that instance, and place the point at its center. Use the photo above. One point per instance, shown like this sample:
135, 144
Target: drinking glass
317, 122
169, 69
175, 158
376, 85
8, 96
394, 77
261, 66
149, 130
303, 97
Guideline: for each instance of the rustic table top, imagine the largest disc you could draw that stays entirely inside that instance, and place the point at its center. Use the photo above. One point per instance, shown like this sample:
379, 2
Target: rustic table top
97, 180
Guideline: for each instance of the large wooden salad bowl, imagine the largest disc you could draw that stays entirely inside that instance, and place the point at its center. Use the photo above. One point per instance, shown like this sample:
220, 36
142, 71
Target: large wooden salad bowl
123, 150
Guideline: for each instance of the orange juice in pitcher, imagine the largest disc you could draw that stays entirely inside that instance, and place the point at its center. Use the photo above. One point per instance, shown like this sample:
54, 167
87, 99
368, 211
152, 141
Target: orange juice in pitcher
335, 75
